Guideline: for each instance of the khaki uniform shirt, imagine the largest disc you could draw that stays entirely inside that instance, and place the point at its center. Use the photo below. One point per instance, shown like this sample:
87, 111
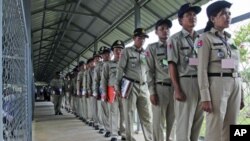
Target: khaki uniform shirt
89, 85
157, 65
209, 45
108, 75
97, 78
180, 48
132, 64
57, 83
79, 81
74, 85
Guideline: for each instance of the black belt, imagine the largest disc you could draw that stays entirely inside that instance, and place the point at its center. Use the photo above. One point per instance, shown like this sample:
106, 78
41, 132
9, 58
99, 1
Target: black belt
163, 83
189, 76
135, 81
236, 74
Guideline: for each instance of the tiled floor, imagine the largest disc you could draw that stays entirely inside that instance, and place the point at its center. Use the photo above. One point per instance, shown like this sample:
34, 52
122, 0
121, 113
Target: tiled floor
48, 127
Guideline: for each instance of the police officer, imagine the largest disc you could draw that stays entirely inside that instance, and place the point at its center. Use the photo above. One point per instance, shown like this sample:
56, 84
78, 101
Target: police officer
79, 90
93, 105
57, 85
159, 83
108, 81
182, 58
68, 87
104, 52
132, 66
74, 92
218, 73
87, 89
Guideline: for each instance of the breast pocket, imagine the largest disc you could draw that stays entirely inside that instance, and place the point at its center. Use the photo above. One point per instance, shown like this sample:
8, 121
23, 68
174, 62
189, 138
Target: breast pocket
133, 62
162, 60
218, 52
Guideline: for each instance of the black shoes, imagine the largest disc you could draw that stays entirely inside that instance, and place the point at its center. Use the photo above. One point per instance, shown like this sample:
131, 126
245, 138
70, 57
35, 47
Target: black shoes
108, 134
59, 113
113, 139
123, 138
96, 127
101, 131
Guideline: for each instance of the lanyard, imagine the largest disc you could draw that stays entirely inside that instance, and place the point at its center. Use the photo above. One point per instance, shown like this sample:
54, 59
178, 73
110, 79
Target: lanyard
224, 40
192, 46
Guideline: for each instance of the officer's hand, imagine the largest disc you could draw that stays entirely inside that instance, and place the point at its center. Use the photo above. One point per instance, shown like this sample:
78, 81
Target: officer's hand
154, 99
207, 106
104, 97
180, 96
242, 104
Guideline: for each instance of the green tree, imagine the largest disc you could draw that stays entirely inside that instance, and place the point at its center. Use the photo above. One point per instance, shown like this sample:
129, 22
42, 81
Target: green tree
242, 40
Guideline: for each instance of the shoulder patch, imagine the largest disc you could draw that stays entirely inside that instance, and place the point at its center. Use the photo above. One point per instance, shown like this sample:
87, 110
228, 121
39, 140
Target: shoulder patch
199, 44
147, 53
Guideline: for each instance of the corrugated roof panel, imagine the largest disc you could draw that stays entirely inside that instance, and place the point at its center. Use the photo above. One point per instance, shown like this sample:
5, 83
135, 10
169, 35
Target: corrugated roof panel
98, 23
116, 9
86, 39
38, 4
115, 35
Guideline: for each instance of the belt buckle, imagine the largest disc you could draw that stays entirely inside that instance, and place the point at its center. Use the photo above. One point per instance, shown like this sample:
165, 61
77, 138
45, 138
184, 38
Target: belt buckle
235, 74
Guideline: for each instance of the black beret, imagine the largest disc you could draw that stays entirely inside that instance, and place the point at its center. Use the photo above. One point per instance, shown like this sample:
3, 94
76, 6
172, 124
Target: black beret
162, 22
188, 7
216, 7
140, 32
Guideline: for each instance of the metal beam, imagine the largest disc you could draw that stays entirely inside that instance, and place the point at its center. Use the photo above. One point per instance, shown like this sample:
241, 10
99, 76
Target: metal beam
105, 19
89, 33
115, 24
137, 14
71, 30
42, 40
50, 7
43, 21
43, 47
52, 24
69, 12
63, 34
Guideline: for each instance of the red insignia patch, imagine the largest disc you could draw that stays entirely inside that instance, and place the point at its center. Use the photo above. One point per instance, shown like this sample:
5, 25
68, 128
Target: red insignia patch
199, 43
170, 46
147, 53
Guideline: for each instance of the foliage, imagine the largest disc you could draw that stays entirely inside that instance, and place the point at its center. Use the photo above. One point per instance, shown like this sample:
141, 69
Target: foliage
242, 40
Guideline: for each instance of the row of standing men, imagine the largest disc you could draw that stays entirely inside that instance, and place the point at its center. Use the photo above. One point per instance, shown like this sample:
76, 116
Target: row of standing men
182, 76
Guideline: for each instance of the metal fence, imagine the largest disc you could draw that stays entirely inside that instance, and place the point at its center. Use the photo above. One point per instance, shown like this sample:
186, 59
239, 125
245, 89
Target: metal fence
16, 73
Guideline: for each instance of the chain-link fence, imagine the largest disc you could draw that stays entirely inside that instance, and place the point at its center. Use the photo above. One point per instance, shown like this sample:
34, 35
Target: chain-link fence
16, 101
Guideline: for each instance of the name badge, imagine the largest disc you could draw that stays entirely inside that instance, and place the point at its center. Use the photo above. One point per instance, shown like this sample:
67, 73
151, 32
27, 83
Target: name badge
228, 63
60, 89
193, 61
165, 62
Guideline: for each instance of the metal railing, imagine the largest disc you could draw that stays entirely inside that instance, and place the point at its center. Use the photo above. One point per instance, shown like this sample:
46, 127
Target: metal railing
15, 91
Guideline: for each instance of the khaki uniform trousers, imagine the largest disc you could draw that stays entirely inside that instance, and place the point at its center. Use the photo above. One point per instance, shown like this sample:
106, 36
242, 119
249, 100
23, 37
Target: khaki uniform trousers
225, 97
80, 109
106, 115
99, 114
188, 114
85, 107
89, 113
75, 103
163, 114
117, 120
67, 100
94, 109
138, 99
57, 100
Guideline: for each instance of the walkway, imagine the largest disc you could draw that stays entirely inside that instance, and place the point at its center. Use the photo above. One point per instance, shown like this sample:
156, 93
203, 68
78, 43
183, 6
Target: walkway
48, 127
